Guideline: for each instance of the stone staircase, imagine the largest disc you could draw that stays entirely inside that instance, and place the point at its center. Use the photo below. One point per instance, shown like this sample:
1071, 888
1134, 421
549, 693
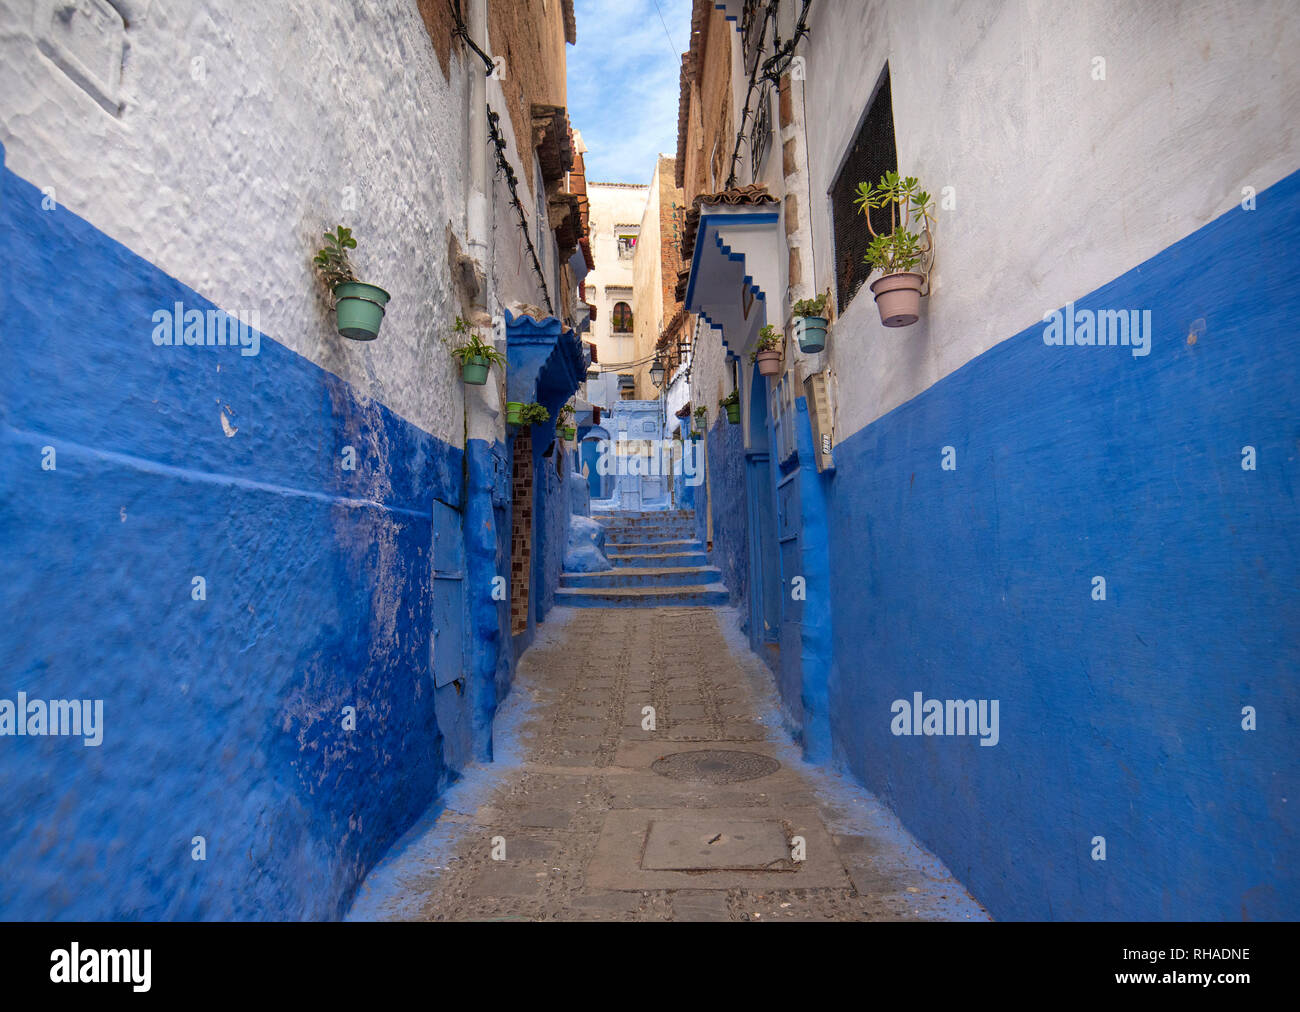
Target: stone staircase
657, 562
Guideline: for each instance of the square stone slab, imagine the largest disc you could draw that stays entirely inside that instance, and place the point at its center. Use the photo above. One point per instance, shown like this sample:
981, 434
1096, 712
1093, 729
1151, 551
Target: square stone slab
707, 843
616, 861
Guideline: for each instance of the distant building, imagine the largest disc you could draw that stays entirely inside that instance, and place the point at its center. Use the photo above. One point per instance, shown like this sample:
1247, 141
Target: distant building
615, 224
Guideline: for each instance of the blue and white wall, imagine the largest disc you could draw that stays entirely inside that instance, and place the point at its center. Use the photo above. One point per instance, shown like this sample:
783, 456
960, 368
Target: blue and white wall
233, 552
1162, 718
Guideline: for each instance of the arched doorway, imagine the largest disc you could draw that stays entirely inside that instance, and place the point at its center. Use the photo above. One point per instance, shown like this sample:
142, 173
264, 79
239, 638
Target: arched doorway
594, 442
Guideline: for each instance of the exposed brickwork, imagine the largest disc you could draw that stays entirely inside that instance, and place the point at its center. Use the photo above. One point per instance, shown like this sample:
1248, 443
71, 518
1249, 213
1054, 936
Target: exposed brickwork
705, 105
530, 34
521, 532
439, 24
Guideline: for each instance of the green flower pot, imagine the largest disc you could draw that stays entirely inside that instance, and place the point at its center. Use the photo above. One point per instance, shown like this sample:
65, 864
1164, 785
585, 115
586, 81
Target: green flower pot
514, 413
569, 431
811, 333
360, 309
475, 371
733, 414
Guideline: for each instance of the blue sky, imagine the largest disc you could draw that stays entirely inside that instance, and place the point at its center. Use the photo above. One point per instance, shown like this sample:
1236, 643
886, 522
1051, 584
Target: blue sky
623, 84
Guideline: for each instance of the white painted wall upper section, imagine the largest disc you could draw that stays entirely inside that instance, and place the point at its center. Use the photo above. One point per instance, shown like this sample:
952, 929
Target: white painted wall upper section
245, 130
612, 204
1062, 182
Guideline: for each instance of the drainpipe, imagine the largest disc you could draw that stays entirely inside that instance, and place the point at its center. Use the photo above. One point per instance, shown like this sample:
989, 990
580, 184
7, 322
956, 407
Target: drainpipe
478, 182
489, 640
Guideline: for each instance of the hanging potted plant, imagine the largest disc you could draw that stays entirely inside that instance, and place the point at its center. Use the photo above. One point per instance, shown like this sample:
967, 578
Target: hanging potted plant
533, 414
567, 429
898, 289
810, 323
696, 435
731, 404
767, 353
475, 355
701, 414
514, 413
358, 307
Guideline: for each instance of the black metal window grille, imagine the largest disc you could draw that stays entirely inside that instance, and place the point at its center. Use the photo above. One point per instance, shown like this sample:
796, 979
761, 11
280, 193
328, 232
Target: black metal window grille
761, 139
622, 318
872, 154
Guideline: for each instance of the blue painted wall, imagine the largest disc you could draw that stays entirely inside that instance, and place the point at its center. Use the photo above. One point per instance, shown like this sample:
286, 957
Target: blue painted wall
487, 556
730, 553
1118, 718
223, 717
806, 642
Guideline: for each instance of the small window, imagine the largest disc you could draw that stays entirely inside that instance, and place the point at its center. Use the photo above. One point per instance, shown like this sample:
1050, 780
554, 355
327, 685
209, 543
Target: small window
622, 317
626, 246
872, 155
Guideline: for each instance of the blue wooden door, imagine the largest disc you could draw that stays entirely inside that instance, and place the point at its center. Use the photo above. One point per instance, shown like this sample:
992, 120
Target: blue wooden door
448, 595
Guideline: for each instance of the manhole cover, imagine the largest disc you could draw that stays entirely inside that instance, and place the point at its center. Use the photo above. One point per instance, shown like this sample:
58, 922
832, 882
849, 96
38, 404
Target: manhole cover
715, 766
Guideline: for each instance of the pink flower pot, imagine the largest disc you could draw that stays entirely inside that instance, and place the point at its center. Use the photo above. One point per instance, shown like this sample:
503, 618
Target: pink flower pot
769, 363
898, 298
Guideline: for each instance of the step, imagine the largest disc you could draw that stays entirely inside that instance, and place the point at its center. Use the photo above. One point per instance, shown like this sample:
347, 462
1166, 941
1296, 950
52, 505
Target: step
636, 538
696, 595
650, 547
669, 559
644, 576
643, 522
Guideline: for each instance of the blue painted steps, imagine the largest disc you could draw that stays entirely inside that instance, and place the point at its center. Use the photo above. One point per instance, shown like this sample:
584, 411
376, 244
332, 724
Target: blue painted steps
658, 562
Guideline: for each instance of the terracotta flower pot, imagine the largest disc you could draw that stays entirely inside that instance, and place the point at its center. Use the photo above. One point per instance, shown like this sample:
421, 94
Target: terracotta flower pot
769, 363
898, 298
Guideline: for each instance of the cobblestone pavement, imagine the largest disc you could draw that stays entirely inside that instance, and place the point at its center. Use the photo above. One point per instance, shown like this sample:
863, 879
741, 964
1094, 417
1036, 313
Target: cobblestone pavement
591, 832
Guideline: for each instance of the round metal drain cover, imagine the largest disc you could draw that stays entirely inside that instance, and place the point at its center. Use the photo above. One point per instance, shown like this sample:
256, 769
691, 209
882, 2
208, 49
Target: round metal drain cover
715, 766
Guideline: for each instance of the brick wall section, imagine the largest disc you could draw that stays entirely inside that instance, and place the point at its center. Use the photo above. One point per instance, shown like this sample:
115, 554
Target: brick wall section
708, 117
439, 24
672, 213
521, 532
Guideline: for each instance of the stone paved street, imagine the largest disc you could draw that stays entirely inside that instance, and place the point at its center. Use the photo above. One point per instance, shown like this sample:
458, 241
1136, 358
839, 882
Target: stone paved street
592, 832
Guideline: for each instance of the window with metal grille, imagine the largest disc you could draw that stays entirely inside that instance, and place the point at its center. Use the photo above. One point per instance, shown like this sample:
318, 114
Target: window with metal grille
872, 155
761, 138
622, 317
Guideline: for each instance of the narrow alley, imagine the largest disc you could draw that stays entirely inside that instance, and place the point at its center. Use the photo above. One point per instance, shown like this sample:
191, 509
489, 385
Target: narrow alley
594, 816
641, 461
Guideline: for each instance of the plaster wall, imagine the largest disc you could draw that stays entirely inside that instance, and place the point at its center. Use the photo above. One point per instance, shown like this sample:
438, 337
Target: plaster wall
1060, 182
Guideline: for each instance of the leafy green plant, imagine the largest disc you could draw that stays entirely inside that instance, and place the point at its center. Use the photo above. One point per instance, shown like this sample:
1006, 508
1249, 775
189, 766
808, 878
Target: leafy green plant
331, 262
729, 400
566, 414
696, 434
473, 346
534, 414
910, 208
701, 411
768, 340
812, 307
